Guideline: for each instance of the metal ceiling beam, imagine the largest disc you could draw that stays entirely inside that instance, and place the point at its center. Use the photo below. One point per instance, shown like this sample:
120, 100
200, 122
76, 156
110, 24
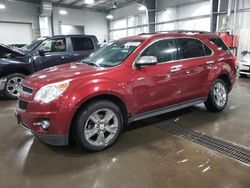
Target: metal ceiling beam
75, 2
99, 6
61, 1
100, 2
77, 7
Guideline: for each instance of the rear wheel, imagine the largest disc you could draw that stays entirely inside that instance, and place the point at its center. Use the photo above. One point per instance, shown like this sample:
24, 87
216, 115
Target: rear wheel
98, 125
218, 96
13, 85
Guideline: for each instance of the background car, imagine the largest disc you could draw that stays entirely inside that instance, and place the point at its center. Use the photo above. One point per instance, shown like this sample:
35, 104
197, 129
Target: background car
17, 63
244, 65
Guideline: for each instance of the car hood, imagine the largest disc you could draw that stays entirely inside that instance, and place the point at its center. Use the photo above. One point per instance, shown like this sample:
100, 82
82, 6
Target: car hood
8, 49
69, 71
5, 61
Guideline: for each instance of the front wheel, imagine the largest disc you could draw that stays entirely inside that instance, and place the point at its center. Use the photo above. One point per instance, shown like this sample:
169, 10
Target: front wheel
13, 85
218, 96
98, 125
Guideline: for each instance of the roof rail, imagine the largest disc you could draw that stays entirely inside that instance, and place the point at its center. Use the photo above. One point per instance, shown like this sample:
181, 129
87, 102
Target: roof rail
178, 31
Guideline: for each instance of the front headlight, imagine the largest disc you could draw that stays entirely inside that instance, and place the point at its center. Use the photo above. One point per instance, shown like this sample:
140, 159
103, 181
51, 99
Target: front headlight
51, 92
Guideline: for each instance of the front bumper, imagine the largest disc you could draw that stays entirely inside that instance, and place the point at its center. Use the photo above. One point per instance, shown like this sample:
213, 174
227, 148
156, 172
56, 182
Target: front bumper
55, 140
59, 118
244, 68
2, 83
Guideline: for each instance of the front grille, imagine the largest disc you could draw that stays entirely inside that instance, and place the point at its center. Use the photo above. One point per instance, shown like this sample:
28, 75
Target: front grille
26, 90
22, 104
246, 71
246, 65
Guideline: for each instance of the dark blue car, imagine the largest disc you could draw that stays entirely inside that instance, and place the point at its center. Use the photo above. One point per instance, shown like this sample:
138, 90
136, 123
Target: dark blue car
17, 63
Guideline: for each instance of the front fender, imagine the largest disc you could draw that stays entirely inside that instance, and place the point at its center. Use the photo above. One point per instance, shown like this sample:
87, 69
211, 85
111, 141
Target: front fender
84, 91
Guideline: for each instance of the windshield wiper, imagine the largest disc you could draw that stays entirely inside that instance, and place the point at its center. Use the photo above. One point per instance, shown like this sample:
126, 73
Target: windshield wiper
91, 63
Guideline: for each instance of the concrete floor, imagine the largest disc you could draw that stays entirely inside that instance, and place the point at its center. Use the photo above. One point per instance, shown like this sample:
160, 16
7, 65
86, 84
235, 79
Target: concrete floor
144, 156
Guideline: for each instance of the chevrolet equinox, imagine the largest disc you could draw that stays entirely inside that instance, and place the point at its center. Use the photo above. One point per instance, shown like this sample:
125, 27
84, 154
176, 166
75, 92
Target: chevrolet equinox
126, 80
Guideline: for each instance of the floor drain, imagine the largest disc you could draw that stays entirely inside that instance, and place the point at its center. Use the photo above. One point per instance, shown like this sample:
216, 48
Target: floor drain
230, 149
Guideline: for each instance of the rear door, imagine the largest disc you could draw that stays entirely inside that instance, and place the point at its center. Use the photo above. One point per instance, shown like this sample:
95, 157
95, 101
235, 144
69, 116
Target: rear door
195, 58
82, 47
56, 52
157, 86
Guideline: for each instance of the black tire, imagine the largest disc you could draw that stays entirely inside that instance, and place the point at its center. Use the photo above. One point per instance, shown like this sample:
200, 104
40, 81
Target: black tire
9, 78
243, 75
82, 120
211, 104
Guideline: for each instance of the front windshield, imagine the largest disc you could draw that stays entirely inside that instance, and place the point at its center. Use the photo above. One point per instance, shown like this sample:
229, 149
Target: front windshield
32, 45
112, 54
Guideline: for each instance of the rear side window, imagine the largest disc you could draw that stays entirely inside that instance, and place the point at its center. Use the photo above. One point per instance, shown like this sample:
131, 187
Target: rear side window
164, 50
190, 48
219, 42
82, 43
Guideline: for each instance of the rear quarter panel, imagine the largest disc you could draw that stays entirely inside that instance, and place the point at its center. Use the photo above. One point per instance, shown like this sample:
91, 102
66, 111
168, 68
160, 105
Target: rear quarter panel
224, 65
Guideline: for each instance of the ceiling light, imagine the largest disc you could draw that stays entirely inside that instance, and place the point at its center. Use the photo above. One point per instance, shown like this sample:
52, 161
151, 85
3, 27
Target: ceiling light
89, 2
2, 6
63, 12
115, 5
142, 8
110, 17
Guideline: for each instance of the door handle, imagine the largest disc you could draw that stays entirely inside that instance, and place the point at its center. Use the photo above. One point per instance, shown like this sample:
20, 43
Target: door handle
65, 57
176, 68
209, 62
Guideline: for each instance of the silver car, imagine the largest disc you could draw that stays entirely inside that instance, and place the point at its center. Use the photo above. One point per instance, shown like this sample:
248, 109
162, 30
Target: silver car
244, 65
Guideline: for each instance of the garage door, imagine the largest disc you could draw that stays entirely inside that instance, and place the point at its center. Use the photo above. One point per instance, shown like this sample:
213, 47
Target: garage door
15, 33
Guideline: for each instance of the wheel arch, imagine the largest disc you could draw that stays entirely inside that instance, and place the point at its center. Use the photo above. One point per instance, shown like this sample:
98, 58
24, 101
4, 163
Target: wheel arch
226, 79
110, 97
17, 71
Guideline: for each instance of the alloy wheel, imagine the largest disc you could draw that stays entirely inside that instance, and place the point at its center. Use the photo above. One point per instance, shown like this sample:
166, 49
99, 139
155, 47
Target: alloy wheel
220, 94
14, 86
101, 127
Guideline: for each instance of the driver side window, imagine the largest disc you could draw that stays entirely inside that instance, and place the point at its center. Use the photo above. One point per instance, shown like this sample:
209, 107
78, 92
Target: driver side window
163, 50
54, 45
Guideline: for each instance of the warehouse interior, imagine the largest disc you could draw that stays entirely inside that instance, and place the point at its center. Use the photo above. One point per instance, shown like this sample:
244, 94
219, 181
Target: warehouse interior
189, 147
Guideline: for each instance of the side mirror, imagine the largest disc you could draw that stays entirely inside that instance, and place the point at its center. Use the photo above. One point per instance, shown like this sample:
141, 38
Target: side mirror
146, 61
41, 52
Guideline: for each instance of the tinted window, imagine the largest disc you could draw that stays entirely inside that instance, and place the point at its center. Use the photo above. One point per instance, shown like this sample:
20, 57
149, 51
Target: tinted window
164, 50
207, 50
80, 43
219, 42
54, 45
190, 48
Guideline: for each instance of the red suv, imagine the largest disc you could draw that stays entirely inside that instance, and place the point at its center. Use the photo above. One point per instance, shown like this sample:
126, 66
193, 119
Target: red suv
127, 80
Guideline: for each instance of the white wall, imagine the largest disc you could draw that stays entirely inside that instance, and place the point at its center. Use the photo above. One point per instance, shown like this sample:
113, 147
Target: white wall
94, 23
183, 12
21, 12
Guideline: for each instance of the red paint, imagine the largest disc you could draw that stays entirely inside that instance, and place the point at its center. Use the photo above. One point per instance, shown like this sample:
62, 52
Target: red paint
141, 90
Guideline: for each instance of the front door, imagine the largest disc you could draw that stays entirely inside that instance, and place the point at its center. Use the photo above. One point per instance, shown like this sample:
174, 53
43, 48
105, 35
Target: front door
55, 53
157, 86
